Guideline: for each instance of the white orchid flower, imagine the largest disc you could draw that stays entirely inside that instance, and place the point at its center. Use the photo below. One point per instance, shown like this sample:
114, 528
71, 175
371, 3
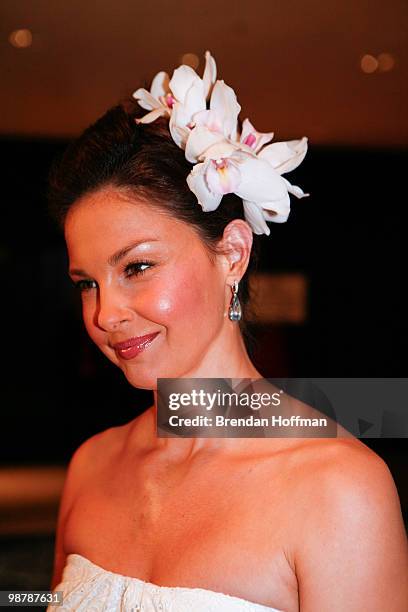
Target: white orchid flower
224, 160
222, 116
216, 125
190, 93
182, 80
226, 168
262, 189
213, 178
164, 93
159, 100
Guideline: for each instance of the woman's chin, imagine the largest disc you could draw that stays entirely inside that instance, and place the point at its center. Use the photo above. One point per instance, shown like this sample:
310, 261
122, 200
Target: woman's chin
140, 379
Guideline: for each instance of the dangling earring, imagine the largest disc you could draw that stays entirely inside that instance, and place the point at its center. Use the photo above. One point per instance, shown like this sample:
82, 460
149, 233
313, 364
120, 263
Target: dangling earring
235, 310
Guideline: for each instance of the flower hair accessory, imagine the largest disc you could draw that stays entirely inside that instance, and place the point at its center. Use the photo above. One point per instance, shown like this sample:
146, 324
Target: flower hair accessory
225, 160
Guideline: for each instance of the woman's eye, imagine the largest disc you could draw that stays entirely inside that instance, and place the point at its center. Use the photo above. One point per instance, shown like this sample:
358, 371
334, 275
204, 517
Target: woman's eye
84, 285
137, 268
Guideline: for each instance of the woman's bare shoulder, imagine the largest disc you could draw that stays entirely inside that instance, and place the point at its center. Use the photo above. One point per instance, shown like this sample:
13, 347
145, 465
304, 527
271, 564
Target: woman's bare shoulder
350, 538
99, 451
102, 447
82, 467
353, 476
336, 462
331, 476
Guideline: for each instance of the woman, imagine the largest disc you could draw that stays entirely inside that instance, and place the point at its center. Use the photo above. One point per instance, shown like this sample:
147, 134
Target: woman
201, 523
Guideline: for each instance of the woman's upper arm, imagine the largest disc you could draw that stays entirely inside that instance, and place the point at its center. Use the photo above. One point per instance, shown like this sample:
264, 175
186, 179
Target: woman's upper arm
353, 553
75, 475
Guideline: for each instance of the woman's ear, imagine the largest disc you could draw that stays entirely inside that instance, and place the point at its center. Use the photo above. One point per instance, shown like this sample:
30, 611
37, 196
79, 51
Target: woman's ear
235, 248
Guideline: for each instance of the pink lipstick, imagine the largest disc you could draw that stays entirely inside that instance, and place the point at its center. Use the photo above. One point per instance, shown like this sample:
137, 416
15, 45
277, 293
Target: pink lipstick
133, 346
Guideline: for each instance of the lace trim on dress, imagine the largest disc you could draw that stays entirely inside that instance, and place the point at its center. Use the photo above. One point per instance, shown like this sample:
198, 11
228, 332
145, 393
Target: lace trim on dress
87, 587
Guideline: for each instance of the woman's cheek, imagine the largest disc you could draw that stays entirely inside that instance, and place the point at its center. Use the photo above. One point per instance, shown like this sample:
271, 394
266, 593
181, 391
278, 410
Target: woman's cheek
187, 299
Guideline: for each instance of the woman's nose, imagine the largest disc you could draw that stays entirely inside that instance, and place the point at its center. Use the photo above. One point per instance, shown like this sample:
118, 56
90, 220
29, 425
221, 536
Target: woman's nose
111, 310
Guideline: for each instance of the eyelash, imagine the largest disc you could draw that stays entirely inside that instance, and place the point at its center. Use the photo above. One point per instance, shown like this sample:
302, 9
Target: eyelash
83, 285
132, 265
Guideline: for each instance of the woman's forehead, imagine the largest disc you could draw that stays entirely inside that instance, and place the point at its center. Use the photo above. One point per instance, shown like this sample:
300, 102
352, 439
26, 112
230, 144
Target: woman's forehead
103, 224
109, 212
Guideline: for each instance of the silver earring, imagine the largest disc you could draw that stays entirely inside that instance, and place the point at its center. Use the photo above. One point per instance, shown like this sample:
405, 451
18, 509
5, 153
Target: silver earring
235, 310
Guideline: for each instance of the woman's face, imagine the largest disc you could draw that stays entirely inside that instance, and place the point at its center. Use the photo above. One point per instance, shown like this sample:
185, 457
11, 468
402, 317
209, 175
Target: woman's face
141, 273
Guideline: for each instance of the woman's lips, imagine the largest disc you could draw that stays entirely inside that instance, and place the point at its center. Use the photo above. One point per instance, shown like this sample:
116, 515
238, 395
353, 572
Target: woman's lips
133, 346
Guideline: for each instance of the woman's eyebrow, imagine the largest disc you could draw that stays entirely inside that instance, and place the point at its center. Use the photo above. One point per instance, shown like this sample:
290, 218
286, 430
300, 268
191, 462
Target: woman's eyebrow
114, 259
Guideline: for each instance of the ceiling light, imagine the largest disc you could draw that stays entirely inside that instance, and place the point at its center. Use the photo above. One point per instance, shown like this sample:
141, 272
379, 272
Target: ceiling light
21, 38
190, 59
369, 64
386, 62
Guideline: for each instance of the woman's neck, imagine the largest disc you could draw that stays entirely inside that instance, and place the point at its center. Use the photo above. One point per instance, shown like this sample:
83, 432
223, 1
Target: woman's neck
232, 361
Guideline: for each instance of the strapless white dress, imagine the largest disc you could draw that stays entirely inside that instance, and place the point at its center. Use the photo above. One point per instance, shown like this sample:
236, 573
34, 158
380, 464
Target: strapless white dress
87, 587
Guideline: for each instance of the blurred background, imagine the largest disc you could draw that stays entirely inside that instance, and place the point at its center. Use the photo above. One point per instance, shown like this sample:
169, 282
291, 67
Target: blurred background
330, 299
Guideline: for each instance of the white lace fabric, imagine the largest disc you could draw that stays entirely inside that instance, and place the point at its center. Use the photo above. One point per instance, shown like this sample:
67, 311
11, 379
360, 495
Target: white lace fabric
87, 587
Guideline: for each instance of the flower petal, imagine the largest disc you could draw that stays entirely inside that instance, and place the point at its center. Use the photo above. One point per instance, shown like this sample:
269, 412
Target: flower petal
278, 210
255, 140
257, 214
221, 149
285, 156
181, 114
194, 100
210, 119
210, 74
178, 121
196, 181
153, 115
259, 181
181, 81
297, 191
222, 176
160, 85
254, 216
145, 99
199, 140
224, 101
